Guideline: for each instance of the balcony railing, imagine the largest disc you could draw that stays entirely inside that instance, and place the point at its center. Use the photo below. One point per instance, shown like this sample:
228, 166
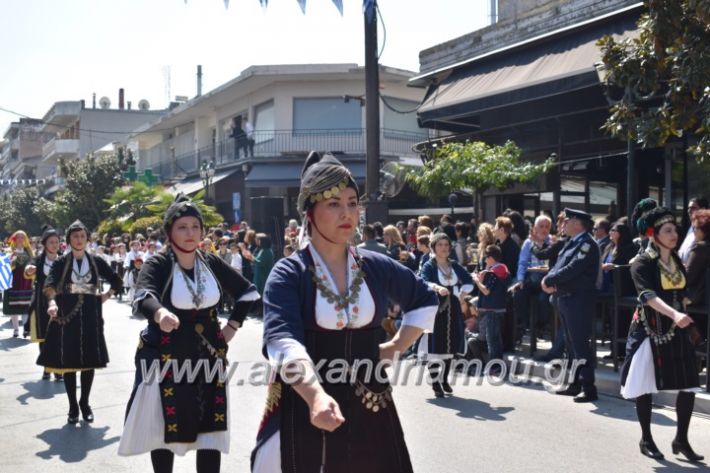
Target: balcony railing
278, 143
56, 147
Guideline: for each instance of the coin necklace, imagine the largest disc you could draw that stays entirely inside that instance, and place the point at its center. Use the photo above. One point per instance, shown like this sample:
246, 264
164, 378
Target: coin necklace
197, 288
77, 271
341, 302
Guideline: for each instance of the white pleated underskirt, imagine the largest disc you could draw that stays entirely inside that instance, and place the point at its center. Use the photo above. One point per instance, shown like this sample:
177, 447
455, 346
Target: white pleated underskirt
642, 375
144, 429
268, 457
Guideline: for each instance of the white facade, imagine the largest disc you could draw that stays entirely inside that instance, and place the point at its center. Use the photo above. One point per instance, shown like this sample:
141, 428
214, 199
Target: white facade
75, 131
293, 109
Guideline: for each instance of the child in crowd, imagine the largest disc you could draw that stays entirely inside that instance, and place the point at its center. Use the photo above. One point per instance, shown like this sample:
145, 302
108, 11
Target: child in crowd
492, 285
131, 276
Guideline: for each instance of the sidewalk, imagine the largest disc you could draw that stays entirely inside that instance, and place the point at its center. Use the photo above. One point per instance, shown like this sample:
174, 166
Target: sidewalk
608, 381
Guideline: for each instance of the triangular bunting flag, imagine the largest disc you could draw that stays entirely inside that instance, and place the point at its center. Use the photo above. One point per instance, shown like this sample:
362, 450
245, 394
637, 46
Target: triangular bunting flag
339, 6
368, 8
302, 4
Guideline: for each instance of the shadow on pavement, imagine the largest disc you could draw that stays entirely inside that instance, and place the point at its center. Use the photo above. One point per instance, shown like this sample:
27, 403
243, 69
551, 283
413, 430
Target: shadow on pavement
7, 344
628, 412
40, 389
472, 408
71, 443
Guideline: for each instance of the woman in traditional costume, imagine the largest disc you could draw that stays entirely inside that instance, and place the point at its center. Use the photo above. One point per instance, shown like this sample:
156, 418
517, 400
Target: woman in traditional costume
322, 305
659, 350
452, 283
180, 291
74, 340
39, 270
16, 299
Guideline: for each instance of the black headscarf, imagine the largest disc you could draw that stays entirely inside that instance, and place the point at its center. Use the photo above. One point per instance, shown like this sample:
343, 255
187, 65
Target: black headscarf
181, 207
48, 232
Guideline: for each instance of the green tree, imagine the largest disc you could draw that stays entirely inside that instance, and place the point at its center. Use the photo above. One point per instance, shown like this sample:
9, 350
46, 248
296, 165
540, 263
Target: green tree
209, 213
88, 183
473, 165
662, 76
135, 207
23, 209
129, 202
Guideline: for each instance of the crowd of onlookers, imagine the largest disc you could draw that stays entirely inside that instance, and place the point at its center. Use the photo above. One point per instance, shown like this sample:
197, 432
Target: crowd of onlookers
526, 246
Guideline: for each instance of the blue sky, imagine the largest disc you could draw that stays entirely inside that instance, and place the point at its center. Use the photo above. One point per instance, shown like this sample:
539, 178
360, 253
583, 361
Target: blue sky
52, 50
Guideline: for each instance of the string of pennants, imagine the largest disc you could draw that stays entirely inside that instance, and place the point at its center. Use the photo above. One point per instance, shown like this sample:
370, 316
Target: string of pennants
23, 182
367, 6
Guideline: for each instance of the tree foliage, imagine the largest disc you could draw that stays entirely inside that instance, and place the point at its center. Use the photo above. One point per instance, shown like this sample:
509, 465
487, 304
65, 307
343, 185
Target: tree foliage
473, 165
135, 207
88, 182
663, 76
209, 213
24, 209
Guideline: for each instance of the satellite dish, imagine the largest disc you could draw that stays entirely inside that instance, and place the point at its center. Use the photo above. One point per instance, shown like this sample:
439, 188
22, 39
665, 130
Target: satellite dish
105, 102
392, 179
143, 105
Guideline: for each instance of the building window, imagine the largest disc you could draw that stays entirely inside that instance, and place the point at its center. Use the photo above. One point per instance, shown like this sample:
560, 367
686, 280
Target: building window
264, 122
401, 125
326, 113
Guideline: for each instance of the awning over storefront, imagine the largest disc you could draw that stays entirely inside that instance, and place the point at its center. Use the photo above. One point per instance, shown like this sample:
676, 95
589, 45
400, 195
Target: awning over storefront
195, 184
289, 174
554, 65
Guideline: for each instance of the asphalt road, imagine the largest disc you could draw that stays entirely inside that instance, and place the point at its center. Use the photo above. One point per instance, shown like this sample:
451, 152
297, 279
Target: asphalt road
482, 428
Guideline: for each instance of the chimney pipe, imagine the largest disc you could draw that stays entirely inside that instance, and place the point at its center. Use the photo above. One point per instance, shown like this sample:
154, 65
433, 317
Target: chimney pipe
120, 99
199, 80
93, 100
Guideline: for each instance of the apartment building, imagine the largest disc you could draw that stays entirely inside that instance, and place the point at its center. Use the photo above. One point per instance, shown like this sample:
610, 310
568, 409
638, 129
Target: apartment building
293, 109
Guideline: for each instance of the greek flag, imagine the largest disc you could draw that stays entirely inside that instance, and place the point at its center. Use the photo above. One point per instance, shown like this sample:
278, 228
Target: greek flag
5, 272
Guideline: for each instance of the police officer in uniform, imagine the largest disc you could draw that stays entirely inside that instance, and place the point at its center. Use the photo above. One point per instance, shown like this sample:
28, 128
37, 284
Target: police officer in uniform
573, 281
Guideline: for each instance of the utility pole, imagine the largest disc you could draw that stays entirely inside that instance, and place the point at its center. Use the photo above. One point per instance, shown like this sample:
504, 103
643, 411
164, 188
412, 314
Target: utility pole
376, 209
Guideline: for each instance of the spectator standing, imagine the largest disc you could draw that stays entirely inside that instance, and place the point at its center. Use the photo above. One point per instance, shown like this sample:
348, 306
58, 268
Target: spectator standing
511, 251
369, 242
248, 130
600, 231
699, 259
263, 261
695, 204
493, 287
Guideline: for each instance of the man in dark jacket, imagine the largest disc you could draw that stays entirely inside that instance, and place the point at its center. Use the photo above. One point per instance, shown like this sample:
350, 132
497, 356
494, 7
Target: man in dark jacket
574, 280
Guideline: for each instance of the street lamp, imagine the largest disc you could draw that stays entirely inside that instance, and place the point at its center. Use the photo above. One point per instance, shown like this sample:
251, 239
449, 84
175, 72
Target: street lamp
207, 174
452, 200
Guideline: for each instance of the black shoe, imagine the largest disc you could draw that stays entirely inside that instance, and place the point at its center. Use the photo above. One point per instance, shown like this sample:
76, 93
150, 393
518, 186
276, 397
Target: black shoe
684, 448
438, 389
73, 416
15, 333
586, 397
649, 449
572, 390
25, 334
58, 377
447, 387
87, 413
45, 376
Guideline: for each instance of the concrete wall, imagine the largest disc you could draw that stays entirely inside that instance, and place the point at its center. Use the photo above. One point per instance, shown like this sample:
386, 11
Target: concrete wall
100, 127
518, 20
